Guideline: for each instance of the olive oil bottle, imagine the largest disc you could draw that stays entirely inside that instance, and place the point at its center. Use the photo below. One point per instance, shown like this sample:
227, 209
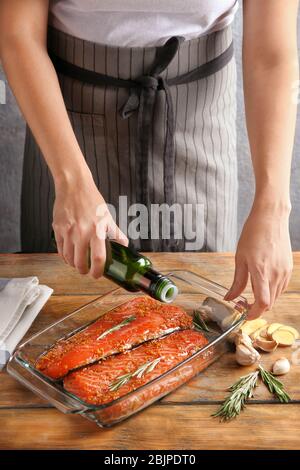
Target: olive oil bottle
134, 272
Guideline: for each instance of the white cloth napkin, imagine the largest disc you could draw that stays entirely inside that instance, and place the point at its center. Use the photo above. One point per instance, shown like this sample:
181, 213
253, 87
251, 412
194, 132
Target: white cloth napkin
21, 299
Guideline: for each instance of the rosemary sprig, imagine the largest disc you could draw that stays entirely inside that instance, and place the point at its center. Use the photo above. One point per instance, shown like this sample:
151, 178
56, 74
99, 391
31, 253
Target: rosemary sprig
199, 322
117, 327
236, 401
139, 372
274, 385
243, 389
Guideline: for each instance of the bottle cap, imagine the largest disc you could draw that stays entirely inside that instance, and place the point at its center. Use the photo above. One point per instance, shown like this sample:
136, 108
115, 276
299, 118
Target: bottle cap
169, 293
165, 290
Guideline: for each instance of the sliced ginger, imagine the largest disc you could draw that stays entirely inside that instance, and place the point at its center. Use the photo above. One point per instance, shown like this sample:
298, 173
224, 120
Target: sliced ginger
273, 327
260, 332
283, 337
250, 326
267, 337
291, 330
282, 334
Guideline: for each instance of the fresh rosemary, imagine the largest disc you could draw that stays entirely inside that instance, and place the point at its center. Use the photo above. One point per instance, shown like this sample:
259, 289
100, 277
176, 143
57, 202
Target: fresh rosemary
139, 372
117, 327
274, 385
236, 401
243, 389
199, 322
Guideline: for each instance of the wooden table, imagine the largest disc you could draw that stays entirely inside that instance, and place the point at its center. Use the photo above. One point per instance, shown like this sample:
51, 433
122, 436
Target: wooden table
182, 420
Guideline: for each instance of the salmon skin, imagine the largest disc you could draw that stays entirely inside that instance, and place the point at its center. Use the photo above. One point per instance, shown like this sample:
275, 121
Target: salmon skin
133, 323
112, 378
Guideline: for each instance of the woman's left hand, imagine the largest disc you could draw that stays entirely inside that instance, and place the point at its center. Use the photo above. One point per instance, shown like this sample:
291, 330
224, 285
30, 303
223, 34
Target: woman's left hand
264, 252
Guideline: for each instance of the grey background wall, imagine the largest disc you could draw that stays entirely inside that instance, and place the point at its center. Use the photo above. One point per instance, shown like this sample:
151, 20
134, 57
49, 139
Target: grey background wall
11, 149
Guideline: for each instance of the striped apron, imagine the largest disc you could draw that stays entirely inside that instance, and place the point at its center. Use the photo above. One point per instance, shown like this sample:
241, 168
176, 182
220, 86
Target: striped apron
156, 126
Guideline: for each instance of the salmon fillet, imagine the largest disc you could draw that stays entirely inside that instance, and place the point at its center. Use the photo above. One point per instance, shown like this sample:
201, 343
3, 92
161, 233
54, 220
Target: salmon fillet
105, 381
146, 319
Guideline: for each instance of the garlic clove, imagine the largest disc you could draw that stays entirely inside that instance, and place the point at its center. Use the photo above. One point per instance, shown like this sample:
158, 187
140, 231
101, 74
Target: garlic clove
281, 366
232, 337
265, 344
242, 338
246, 356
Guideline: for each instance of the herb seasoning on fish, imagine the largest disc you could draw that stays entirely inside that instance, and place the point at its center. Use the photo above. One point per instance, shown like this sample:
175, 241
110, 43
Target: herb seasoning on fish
120, 329
117, 327
139, 372
118, 375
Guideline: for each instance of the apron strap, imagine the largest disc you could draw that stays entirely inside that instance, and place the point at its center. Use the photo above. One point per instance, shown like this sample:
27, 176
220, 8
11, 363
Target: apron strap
142, 99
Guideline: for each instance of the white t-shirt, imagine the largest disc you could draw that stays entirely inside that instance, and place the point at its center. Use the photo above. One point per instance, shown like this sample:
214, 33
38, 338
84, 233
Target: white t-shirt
140, 22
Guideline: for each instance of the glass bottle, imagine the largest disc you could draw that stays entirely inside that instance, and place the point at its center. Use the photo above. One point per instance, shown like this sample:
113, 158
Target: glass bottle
133, 271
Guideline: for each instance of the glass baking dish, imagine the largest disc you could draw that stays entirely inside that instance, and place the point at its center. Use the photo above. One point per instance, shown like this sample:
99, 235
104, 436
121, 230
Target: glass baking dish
193, 289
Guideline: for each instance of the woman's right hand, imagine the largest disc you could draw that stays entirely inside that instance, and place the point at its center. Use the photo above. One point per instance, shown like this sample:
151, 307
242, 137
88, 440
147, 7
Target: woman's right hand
81, 219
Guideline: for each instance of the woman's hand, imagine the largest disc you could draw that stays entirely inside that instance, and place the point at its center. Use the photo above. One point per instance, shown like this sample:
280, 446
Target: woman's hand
81, 220
263, 252
270, 62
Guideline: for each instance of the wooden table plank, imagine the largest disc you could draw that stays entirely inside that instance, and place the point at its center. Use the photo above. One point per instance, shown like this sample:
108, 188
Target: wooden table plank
51, 270
159, 427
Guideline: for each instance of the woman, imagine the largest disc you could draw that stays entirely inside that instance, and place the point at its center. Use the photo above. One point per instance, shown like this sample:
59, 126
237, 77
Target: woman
145, 108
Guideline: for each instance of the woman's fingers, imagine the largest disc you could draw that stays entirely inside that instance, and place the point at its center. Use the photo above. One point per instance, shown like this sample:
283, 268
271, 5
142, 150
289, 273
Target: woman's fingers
84, 221
275, 285
286, 283
114, 233
278, 284
81, 256
97, 245
266, 292
283, 285
68, 250
239, 282
279, 290
98, 257
75, 245
59, 243
262, 296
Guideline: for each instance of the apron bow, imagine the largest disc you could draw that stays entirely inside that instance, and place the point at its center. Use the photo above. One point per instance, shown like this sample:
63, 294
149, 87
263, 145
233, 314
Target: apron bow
143, 82
142, 100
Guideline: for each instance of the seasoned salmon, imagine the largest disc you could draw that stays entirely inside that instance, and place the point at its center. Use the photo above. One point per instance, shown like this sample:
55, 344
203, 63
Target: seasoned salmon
118, 375
128, 325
